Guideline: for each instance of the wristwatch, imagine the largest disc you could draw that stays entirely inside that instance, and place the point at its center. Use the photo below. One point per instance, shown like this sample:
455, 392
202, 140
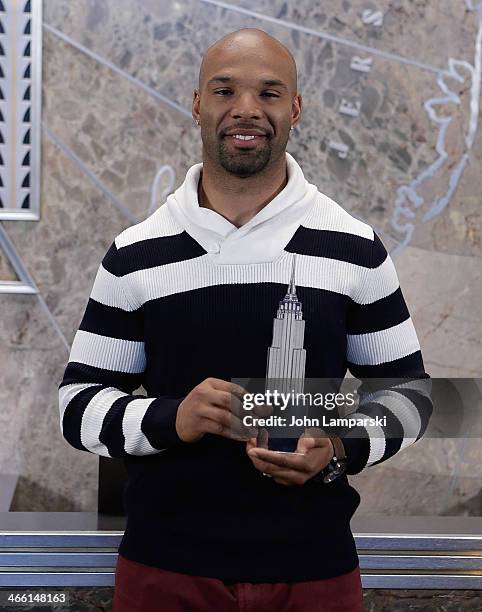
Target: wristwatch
337, 465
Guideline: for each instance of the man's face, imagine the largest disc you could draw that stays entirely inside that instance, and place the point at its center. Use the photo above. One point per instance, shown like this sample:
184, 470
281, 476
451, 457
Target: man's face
236, 100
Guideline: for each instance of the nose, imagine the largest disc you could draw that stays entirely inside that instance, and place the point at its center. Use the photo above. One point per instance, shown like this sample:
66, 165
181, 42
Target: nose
246, 104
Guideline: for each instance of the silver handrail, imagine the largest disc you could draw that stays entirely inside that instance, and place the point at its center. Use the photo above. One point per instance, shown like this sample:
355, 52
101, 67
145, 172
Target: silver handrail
394, 552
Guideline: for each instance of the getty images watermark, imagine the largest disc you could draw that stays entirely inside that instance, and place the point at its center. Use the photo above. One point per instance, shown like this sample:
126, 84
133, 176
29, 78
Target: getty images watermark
434, 407
283, 401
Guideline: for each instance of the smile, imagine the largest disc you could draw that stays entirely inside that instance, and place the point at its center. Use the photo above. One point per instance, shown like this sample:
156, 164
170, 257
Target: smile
242, 137
242, 141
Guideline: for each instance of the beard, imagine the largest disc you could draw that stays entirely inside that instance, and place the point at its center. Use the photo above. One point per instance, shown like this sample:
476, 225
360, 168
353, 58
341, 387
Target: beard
244, 162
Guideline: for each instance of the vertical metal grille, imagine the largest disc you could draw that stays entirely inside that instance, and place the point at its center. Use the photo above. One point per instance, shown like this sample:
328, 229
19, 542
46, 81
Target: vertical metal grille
20, 98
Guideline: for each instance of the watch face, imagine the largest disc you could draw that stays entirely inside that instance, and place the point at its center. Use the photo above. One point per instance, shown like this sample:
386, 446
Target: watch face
333, 470
329, 477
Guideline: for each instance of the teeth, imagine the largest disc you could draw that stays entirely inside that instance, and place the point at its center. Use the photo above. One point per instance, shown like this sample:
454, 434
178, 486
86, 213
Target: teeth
241, 137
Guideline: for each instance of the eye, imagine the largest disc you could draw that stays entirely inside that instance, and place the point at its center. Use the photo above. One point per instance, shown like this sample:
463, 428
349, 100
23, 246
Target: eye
265, 93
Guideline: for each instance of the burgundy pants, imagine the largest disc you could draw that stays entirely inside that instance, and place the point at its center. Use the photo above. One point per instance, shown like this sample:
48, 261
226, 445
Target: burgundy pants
141, 588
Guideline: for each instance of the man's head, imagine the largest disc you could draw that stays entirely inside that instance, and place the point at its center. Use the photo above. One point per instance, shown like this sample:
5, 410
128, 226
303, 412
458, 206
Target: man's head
247, 85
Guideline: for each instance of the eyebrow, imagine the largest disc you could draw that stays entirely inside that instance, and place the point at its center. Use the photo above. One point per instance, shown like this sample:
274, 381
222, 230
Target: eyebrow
225, 78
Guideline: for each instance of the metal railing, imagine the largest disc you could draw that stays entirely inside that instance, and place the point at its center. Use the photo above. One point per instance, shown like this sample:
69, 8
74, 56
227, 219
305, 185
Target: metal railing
394, 552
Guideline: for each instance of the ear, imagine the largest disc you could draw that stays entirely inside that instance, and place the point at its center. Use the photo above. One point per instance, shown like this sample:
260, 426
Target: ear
195, 104
296, 109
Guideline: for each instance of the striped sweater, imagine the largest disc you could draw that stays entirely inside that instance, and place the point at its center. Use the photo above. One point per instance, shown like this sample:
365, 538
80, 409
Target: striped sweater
185, 295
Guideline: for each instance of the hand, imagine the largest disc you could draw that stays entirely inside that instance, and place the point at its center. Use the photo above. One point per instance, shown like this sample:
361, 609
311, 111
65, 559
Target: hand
290, 468
213, 406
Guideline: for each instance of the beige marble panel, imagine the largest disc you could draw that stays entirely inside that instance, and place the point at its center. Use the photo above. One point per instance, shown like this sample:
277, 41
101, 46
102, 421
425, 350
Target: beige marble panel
52, 475
62, 253
443, 293
458, 229
410, 29
444, 296
14, 326
121, 133
64, 250
387, 490
431, 456
470, 461
7, 273
154, 21
151, 40
466, 497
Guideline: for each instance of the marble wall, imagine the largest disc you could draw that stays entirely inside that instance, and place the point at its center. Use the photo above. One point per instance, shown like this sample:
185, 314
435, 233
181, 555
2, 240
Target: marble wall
118, 77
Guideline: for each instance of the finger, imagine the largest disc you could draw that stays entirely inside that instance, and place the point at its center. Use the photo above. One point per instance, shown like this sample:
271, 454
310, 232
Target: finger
286, 477
227, 420
251, 443
289, 477
237, 390
220, 415
224, 385
313, 437
263, 411
261, 466
315, 460
262, 438
305, 444
214, 427
236, 406
315, 432
283, 481
228, 401
219, 398
210, 426
284, 460
226, 433
274, 470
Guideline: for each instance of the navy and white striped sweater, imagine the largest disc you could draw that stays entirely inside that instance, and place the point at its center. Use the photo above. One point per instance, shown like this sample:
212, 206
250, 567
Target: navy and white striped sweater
166, 312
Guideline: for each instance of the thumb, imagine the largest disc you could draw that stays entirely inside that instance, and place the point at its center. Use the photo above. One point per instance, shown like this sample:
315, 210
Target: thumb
251, 443
313, 439
305, 443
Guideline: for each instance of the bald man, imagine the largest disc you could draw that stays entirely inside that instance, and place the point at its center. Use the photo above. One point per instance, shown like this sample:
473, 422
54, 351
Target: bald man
194, 296
239, 179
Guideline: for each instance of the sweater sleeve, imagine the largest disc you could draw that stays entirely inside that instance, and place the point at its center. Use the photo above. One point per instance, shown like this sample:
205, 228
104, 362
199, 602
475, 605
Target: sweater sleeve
383, 352
98, 411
